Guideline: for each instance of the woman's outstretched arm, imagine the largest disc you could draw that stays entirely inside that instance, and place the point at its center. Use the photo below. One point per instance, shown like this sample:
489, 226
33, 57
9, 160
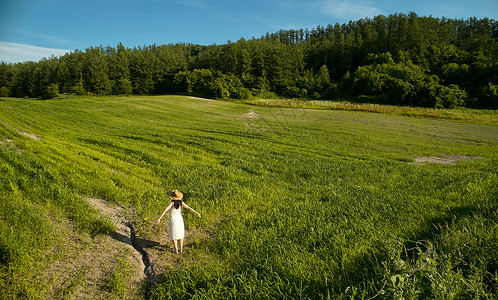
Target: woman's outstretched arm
167, 208
188, 207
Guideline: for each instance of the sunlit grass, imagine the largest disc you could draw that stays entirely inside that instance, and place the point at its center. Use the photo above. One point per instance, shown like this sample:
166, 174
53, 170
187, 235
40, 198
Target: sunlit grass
299, 203
478, 116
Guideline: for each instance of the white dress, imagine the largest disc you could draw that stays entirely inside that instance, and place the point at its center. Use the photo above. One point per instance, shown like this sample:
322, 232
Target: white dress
176, 226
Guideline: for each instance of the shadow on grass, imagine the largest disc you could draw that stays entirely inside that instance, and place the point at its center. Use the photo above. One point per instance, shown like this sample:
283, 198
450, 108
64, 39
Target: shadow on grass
377, 266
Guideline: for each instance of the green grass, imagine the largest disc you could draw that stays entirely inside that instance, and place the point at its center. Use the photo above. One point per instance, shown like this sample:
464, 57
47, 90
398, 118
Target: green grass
298, 203
469, 115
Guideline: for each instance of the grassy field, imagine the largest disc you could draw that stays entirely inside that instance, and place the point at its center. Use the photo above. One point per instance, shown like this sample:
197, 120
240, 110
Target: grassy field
296, 203
468, 115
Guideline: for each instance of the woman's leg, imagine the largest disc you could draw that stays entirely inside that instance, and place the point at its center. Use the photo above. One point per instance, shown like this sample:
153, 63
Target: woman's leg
176, 246
181, 245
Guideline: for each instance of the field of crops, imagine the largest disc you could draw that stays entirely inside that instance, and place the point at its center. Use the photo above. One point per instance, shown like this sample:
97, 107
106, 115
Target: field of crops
296, 203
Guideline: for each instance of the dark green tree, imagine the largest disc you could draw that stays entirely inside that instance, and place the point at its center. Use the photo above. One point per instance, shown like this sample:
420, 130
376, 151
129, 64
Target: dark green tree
398, 59
96, 72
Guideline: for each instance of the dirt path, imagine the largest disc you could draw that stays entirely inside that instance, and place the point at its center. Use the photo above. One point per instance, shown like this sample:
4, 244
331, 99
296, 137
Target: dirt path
82, 266
89, 266
199, 98
30, 135
151, 256
251, 115
125, 233
447, 160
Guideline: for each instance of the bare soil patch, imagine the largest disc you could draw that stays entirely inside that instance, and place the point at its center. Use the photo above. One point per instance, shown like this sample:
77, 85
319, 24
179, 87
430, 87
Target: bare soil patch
85, 271
447, 160
30, 135
251, 115
123, 233
82, 266
199, 98
11, 145
250, 119
6, 141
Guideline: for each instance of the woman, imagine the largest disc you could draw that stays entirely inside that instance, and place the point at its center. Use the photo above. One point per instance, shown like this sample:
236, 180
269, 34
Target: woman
176, 226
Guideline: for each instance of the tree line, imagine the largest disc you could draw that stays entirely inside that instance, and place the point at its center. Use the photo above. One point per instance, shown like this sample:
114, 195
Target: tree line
397, 59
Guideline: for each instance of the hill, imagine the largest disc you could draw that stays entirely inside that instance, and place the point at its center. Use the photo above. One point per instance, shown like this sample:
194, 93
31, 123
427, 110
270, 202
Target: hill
296, 203
397, 59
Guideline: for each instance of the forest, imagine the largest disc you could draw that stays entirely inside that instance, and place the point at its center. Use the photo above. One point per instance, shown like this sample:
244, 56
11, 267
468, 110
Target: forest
400, 59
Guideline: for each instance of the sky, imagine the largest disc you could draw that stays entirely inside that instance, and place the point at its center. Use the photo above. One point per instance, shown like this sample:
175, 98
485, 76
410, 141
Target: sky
33, 29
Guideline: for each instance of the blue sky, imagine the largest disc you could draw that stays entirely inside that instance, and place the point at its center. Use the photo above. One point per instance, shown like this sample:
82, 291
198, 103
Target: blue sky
32, 29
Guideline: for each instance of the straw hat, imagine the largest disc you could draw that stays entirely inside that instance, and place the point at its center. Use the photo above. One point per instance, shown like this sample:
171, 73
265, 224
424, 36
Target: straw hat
176, 195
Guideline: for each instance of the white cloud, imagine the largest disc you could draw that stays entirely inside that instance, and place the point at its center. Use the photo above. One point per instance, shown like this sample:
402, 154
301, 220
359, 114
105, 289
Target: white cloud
47, 37
53, 39
349, 9
14, 53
